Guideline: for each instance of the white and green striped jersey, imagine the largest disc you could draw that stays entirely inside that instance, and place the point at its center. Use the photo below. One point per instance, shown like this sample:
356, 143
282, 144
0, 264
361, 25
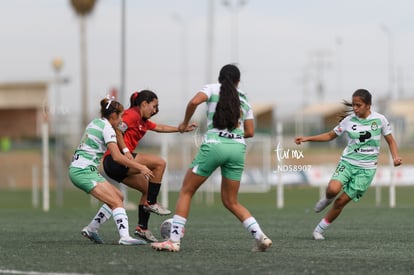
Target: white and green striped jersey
213, 91
364, 138
94, 143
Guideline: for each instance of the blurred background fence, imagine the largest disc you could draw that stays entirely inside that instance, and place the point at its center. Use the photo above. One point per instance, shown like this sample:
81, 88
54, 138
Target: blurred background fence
272, 161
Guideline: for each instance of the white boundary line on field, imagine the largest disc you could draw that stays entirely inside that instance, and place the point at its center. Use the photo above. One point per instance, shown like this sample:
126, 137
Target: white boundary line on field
12, 271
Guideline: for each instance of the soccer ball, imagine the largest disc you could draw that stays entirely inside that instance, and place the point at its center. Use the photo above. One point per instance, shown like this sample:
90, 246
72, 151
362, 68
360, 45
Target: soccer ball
165, 229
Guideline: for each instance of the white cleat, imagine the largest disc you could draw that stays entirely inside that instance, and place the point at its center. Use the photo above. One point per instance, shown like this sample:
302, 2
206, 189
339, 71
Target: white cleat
167, 245
131, 241
93, 236
157, 209
322, 204
262, 244
145, 234
317, 236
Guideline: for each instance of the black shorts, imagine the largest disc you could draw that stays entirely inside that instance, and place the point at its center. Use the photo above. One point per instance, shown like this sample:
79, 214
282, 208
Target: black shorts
114, 170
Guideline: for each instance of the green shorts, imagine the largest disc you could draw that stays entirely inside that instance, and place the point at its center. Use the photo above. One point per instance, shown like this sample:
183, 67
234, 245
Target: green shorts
225, 153
355, 180
85, 178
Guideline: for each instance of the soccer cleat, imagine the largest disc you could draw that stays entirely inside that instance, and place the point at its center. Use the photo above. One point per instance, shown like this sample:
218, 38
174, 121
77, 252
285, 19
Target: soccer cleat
131, 241
262, 244
317, 235
145, 234
168, 245
157, 209
322, 204
93, 236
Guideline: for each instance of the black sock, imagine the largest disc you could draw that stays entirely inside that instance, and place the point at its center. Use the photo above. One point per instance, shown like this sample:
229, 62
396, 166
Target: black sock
153, 190
143, 217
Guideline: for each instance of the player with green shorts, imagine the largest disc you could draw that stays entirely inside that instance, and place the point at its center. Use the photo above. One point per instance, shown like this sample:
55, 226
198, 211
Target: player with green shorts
225, 153
85, 179
356, 169
229, 121
355, 180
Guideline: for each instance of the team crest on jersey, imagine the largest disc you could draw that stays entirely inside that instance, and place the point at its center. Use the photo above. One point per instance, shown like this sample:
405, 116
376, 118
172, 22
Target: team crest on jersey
374, 126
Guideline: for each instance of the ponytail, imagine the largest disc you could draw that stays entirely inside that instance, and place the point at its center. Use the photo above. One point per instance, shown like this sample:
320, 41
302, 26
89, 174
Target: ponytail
137, 98
348, 110
227, 113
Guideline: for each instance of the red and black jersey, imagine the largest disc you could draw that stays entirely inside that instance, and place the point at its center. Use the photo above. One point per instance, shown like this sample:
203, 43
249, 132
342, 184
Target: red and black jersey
136, 127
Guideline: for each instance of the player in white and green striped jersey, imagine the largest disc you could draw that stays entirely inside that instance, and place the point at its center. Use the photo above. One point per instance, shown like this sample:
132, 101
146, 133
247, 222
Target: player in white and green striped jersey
357, 166
229, 121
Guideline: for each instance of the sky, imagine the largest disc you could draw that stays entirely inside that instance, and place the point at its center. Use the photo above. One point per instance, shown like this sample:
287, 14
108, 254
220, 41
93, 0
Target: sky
286, 50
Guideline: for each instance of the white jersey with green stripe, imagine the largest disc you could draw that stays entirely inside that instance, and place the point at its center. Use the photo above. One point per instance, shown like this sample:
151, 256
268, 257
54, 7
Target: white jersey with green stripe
94, 143
212, 91
364, 138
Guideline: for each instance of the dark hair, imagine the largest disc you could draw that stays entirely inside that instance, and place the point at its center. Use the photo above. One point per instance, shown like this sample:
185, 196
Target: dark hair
227, 112
138, 97
365, 96
109, 106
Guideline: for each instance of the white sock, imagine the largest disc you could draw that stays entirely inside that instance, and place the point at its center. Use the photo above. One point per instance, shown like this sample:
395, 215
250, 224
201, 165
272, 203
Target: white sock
121, 221
177, 227
104, 213
322, 226
253, 227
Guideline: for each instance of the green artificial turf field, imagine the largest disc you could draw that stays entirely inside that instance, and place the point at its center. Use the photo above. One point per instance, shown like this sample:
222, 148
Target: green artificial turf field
364, 240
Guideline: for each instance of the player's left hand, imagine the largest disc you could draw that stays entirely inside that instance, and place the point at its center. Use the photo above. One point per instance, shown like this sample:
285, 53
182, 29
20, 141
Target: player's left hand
183, 127
191, 127
397, 161
299, 140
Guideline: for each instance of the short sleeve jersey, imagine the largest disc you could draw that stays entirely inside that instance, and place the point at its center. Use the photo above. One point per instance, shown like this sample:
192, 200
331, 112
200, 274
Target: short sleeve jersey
212, 91
364, 138
135, 127
94, 142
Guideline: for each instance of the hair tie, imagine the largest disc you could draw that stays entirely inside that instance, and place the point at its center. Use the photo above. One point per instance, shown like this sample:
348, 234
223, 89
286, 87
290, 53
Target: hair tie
110, 99
135, 95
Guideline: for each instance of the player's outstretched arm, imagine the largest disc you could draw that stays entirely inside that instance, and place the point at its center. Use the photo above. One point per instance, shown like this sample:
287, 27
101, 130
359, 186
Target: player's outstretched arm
328, 136
161, 128
199, 98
